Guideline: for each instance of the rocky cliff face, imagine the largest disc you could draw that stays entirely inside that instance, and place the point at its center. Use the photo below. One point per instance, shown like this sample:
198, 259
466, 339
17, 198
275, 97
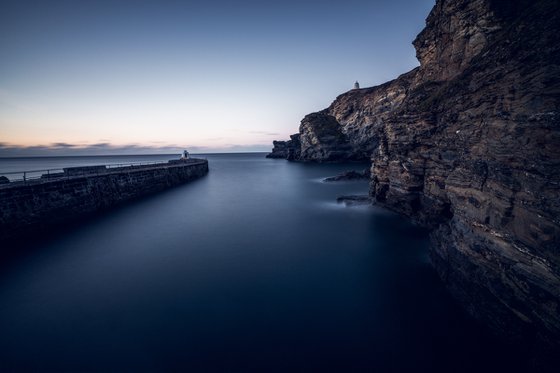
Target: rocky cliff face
290, 150
474, 152
468, 144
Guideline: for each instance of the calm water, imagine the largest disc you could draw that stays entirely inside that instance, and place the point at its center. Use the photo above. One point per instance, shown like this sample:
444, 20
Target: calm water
252, 268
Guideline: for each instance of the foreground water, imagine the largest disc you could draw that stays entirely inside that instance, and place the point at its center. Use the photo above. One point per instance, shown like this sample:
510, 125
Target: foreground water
252, 268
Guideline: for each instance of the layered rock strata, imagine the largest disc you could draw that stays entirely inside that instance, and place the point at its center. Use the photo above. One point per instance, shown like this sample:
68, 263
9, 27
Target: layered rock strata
468, 144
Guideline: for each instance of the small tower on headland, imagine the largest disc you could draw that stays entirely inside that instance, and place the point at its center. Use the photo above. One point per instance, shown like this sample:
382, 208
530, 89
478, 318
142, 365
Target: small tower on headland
185, 155
356, 85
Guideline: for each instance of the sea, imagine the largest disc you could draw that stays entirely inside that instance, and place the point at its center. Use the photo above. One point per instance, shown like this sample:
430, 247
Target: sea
252, 268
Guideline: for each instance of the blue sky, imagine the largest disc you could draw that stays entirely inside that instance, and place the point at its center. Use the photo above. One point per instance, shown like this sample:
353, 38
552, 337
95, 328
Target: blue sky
156, 76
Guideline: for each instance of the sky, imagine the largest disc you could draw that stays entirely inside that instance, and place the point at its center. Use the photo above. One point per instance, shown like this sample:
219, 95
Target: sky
157, 76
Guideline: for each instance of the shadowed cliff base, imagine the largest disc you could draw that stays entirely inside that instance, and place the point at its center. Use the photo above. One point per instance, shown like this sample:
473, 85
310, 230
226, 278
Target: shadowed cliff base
468, 144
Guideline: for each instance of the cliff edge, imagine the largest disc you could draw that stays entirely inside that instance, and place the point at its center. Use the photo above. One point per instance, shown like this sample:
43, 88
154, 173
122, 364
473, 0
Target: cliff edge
468, 144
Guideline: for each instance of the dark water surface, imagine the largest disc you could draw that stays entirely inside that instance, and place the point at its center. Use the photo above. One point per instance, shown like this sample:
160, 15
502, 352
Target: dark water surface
252, 268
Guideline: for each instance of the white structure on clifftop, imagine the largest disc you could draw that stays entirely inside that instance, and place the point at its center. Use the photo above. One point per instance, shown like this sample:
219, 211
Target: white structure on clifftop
356, 85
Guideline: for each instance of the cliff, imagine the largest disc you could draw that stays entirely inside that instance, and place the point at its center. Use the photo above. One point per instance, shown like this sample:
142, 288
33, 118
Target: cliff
468, 144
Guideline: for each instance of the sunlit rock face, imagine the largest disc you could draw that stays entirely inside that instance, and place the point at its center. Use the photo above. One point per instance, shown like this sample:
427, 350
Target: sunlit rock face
322, 139
455, 33
468, 144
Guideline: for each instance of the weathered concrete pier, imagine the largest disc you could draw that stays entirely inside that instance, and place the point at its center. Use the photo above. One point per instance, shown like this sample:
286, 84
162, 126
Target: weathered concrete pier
53, 199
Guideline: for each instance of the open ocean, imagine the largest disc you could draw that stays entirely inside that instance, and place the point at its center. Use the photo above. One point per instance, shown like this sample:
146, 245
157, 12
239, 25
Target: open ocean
254, 267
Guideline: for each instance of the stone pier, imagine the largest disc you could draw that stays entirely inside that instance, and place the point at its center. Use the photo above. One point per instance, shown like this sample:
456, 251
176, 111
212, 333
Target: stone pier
55, 199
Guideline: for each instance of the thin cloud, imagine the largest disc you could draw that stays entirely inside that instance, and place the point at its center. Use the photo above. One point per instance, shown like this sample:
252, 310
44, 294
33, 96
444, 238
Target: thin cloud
62, 145
103, 145
266, 133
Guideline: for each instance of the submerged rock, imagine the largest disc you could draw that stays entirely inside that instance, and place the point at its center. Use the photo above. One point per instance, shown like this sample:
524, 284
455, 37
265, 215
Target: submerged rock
355, 200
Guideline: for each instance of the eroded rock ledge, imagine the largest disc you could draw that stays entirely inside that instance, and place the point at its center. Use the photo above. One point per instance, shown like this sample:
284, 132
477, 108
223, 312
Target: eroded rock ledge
468, 144
350, 176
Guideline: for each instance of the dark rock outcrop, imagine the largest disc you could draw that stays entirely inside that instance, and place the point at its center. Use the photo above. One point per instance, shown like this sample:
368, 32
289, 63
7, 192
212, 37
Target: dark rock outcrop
468, 144
290, 150
322, 138
350, 176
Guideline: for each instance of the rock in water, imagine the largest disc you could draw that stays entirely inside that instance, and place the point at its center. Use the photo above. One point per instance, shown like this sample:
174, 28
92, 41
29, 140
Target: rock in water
468, 144
354, 200
350, 176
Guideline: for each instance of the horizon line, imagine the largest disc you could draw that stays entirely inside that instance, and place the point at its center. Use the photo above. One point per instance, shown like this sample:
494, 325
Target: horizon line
128, 155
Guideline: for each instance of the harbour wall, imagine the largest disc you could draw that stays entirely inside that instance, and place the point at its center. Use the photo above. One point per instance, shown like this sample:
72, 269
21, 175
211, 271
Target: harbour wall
56, 199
